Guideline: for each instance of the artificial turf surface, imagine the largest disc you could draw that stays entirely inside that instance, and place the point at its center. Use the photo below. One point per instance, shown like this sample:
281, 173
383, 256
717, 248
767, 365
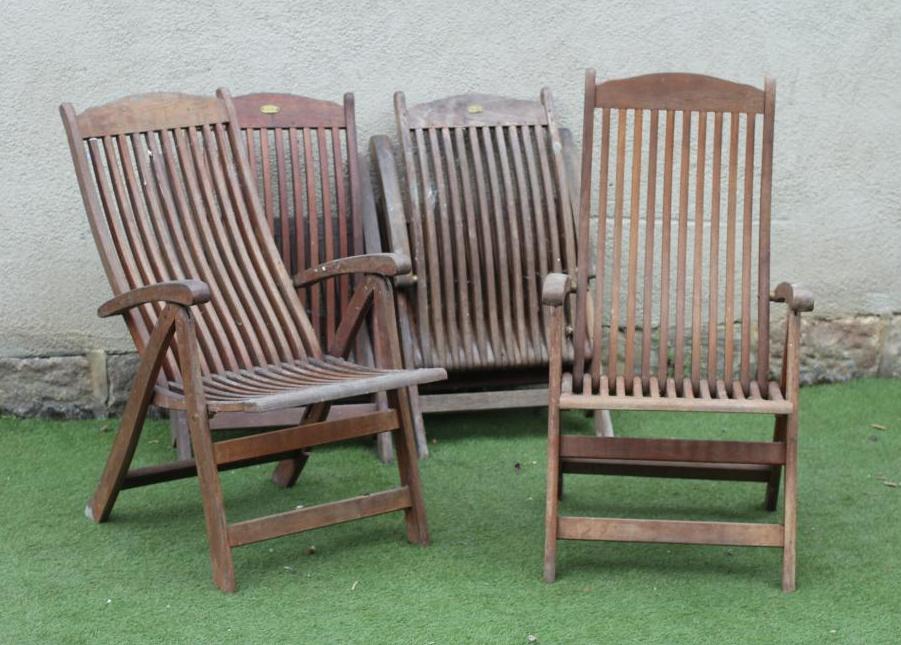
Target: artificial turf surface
144, 576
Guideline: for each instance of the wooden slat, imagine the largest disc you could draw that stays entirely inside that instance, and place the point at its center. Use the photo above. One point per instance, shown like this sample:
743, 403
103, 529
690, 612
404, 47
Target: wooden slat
679, 91
601, 253
445, 297
669, 531
510, 347
665, 243
632, 276
667, 469
746, 260
305, 519
415, 207
435, 306
729, 295
486, 247
328, 247
470, 401
303, 436
763, 245
698, 253
682, 247
714, 259
648, 274
673, 402
508, 232
731, 452
473, 260
459, 263
616, 268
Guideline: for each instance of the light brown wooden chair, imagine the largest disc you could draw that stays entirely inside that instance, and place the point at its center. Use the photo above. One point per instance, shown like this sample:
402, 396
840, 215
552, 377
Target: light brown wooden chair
486, 213
680, 314
195, 272
317, 198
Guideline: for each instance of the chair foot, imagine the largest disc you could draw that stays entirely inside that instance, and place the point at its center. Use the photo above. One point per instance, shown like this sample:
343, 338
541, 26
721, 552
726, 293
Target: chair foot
550, 570
288, 470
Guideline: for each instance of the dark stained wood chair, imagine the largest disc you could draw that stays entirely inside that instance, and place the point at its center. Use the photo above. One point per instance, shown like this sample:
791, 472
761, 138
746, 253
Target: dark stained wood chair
680, 314
486, 213
215, 316
317, 198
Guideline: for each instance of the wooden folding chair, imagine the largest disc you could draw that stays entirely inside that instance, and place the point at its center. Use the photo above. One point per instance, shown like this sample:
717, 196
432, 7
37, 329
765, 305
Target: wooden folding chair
680, 314
317, 198
486, 214
195, 272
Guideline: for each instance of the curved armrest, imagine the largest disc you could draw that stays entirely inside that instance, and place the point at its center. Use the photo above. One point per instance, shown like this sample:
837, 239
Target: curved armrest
384, 264
556, 287
179, 292
794, 297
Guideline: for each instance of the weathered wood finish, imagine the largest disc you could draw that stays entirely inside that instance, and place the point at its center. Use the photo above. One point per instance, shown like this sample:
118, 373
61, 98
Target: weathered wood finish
488, 215
173, 206
669, 294
488, 211
304, 154
641, 326
315, 197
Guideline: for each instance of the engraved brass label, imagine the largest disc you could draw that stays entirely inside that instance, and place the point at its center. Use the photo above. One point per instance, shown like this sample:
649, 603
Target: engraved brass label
270, 109
475, 109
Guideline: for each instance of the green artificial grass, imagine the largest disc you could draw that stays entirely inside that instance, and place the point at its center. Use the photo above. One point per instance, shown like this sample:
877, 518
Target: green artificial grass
144, 576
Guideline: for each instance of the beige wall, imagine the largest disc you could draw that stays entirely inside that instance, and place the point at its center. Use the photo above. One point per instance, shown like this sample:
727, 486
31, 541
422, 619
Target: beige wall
837, 204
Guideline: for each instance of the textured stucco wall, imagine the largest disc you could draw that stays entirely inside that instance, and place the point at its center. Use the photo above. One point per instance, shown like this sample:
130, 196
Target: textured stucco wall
837, 206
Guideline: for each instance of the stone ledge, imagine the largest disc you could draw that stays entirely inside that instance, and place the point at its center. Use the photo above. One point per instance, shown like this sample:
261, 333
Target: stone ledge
96, 384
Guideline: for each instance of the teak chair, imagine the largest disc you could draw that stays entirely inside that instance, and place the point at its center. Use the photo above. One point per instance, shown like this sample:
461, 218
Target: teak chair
196, 274
688, 170
487, 213
317, 198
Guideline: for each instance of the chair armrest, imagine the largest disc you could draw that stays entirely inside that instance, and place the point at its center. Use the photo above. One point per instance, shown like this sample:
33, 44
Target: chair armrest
383, 264
179, 292
795, 298
555, 289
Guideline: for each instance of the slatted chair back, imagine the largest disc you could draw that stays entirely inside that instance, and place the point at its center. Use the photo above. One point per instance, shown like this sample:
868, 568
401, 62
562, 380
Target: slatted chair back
679, 178
169, 197
489, 214
303, 152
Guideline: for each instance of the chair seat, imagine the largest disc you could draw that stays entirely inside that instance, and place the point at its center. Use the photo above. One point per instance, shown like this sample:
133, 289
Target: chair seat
302, 382
716, 397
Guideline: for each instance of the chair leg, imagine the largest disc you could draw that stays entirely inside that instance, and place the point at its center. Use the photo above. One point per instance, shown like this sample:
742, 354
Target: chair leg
288, 470
790, 520
100, 505
552, 498
181, 438
603, 424
124, 446
422, 442
408, 465
384, 443
213, 504
772, 487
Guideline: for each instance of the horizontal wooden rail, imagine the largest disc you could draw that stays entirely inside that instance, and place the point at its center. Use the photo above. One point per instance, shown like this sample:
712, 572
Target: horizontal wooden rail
305, 519
673, 469
303, 436
664, 404
733, 452
669, 531
466, 401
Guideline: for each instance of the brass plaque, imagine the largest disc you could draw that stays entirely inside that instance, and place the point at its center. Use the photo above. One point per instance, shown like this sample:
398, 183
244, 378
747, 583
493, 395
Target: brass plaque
270, 109
475, 109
